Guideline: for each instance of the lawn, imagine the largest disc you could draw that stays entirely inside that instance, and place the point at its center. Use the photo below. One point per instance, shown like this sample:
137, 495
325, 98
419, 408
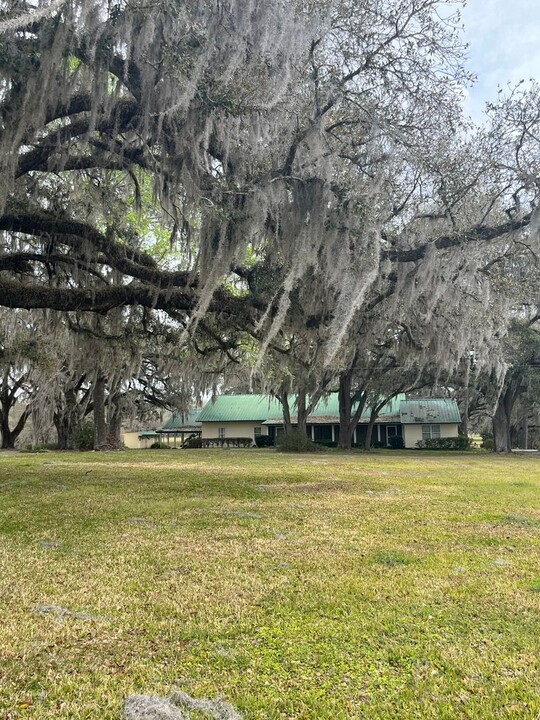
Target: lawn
335, 586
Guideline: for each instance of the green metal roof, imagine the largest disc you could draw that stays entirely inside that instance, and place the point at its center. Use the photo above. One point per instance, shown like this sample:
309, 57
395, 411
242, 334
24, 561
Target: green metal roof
261, 408
185, 420
235, 408
429, 410
328, 407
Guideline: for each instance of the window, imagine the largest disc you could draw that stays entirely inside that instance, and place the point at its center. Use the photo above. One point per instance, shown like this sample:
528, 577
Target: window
221, 432
322, 433
257, 431
431, 431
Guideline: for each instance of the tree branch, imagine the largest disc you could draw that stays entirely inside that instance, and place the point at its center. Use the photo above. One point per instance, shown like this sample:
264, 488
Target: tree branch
478, 234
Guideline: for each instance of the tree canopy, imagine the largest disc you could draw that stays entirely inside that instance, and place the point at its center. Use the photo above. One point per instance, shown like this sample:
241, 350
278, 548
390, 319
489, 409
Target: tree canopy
305, 165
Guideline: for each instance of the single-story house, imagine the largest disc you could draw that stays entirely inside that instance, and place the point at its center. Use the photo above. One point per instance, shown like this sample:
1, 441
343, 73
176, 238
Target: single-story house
246, 416
428, 418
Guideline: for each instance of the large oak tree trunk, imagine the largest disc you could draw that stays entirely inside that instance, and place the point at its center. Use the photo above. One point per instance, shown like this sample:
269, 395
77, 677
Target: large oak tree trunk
369, 429
302, 413
66, 419
8, 441
67, 424
375, 410
287, 423
303, 408
502, 417
348, 420
114, 420
8, 400
346, 426
501, 430
63, 430
466, 401
100, 426
9, 436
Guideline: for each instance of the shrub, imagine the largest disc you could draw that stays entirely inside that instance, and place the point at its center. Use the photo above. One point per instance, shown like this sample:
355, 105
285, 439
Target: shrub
264, 441
396, 442
192, 443
296, 441
450, 443
83, 438
488, 443
326, 443
234, 442
377, 445
158, 445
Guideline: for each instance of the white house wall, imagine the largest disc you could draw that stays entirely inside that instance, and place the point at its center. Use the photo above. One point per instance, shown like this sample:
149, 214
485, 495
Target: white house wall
413, 433
132, 441
232, 429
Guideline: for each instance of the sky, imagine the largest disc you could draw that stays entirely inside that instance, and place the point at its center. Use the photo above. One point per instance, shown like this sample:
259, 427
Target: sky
504, 46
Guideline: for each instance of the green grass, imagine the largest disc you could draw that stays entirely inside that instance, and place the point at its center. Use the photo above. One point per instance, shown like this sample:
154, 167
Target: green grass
329, 587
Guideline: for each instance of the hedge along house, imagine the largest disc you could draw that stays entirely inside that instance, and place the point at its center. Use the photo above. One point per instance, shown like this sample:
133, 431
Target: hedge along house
246, 416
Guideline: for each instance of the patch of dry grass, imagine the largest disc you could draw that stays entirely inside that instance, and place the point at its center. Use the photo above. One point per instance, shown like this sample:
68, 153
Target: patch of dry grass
391, 585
